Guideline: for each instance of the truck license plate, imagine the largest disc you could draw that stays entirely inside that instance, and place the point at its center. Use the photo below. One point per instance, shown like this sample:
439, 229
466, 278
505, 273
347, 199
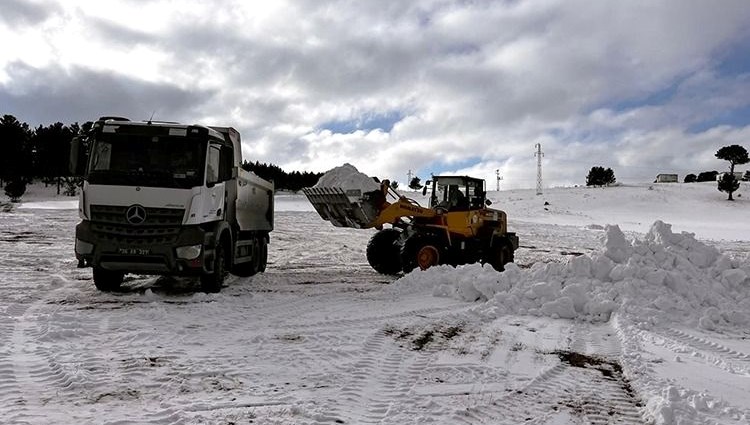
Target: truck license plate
133, 251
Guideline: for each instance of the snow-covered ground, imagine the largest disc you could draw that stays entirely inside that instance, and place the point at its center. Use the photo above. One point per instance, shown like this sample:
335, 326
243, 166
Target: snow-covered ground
609, 316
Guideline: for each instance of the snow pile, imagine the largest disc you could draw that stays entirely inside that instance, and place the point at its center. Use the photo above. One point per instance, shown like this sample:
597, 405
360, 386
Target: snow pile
664, 276
347, 177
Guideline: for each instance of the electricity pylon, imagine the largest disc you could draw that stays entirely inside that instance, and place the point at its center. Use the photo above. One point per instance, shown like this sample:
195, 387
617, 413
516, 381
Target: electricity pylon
539, 154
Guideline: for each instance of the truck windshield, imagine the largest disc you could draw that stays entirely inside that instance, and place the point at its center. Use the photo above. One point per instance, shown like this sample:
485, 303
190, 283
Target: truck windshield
146, 160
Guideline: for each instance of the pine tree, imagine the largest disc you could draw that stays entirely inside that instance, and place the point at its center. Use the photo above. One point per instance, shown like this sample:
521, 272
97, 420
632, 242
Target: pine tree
735, 154
415, 183
599, 176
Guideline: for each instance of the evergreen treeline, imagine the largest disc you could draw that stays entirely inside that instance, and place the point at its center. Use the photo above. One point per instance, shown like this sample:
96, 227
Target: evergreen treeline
293, 181
43, 153
35, 153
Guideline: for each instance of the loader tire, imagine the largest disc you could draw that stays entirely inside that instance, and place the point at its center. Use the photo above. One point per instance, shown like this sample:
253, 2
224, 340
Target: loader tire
420, 251
500, 255
213, 281
383, 251
107, 280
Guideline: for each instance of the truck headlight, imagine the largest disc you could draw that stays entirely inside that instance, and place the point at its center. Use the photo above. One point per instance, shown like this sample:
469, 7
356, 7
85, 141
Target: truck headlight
190, 252
83, 247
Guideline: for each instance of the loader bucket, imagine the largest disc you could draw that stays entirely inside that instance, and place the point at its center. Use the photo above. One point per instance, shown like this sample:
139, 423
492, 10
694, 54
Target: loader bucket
342, 208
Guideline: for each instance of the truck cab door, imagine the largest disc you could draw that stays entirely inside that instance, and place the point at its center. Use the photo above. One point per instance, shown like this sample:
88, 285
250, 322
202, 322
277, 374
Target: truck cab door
214, 208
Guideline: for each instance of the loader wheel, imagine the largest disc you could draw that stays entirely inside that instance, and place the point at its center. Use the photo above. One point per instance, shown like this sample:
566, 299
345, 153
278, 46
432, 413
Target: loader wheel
422, 252
212, 282
107, 280
500, 255
383, 253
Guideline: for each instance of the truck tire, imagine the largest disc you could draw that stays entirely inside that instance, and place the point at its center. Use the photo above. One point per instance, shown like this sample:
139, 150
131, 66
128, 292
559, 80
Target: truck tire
249, 268
263, 249
500, 255
212, 282
258, 263
107, 280
383, 253
420, 251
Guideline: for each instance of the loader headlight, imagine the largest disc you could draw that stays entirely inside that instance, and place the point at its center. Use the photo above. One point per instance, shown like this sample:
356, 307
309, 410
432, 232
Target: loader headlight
189, 252
83, 247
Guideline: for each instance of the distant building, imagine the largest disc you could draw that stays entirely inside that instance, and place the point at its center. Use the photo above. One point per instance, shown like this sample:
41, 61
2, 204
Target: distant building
737, 175
666, 178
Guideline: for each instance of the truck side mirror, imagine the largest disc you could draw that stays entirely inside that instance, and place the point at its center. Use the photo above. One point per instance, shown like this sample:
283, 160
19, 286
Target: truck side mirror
487, 202
77, 160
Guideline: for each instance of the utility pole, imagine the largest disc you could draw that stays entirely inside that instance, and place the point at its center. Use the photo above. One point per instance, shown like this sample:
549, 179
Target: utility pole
499, 177
408, 178
539, 154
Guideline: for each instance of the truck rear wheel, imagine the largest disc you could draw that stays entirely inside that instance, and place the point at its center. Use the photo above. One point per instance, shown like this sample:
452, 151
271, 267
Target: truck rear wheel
249, 268
107, 280
212, 282
258, 262
420, 251
263, 250
383, 253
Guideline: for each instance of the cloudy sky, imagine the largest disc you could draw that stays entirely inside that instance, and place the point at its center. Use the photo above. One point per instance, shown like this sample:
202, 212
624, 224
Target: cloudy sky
470, 87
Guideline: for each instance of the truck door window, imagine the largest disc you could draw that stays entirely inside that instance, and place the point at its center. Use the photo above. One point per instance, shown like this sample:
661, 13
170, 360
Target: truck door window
213, 164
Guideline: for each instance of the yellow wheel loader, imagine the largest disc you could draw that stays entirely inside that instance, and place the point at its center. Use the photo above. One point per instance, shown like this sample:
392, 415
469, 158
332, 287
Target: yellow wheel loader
456, 228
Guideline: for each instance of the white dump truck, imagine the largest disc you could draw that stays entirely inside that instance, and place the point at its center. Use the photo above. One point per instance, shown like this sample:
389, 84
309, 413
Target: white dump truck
168, 199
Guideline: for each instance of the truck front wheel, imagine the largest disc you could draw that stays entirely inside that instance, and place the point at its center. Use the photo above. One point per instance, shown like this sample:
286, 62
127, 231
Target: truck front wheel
212, 282
107, 280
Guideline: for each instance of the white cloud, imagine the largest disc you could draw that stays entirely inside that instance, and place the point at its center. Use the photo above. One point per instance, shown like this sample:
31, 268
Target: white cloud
622, 84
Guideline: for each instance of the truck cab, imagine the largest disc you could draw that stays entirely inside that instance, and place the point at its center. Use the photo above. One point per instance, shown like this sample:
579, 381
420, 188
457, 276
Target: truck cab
168, 198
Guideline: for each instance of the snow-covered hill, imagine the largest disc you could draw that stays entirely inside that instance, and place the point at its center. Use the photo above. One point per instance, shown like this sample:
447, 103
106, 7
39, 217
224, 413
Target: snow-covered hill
611, 315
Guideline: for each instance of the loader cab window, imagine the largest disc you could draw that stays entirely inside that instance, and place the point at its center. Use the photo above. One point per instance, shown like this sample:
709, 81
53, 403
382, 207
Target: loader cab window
475, 190
451, 193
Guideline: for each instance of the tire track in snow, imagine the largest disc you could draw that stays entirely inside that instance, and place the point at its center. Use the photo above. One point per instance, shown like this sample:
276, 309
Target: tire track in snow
714, 353
577, 387
13, 399
371, 382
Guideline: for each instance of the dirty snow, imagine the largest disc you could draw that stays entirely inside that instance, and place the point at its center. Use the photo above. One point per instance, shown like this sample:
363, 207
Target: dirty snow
625, 305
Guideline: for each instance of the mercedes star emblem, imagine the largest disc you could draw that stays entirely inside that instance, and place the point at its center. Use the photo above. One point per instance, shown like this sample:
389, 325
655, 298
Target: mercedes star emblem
136, 214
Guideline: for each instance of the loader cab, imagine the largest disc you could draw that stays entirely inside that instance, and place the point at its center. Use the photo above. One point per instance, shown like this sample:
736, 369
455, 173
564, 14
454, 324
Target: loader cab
456, 193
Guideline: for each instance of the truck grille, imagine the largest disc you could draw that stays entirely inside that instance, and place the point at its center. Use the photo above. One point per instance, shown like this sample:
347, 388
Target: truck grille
160, 226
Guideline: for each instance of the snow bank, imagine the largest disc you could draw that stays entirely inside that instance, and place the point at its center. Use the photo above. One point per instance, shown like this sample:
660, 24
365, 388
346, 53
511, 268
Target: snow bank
347, 177
665, 276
